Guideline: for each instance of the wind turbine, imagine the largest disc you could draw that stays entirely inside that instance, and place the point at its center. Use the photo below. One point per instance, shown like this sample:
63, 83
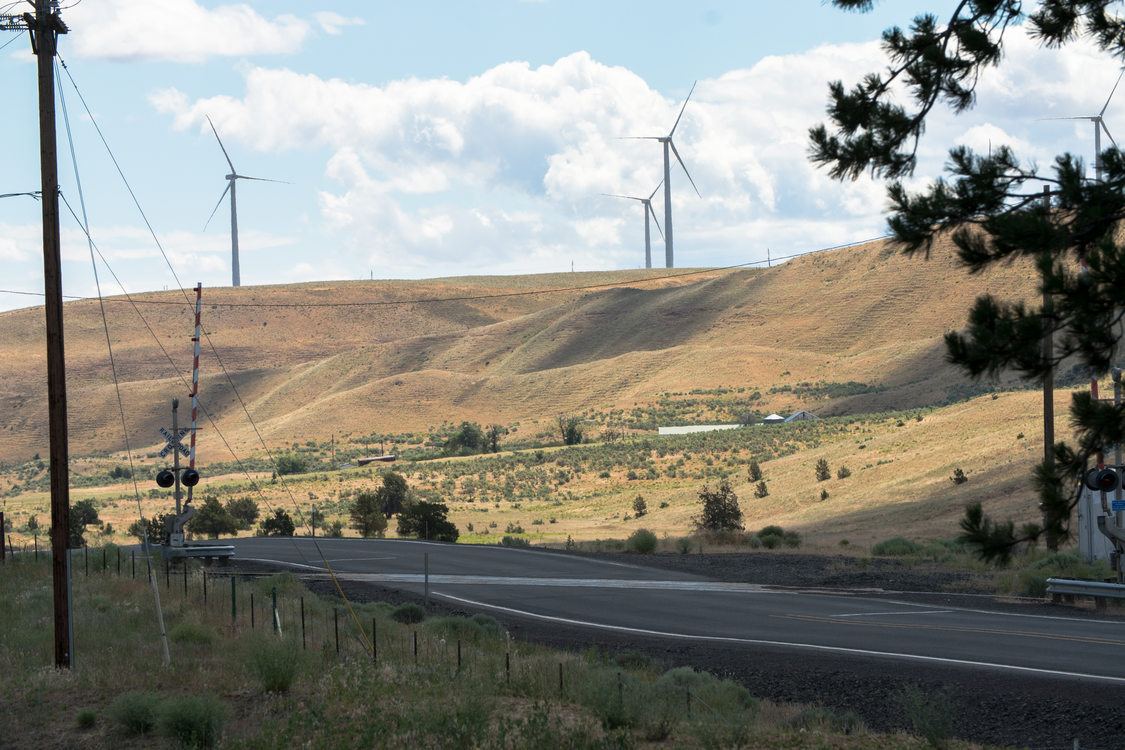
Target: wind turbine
646, 204
231, 179
1099, 126
666, 140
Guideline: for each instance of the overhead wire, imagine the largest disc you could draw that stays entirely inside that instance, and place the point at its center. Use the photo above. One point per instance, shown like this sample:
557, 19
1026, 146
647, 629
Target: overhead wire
116, 382
230, 380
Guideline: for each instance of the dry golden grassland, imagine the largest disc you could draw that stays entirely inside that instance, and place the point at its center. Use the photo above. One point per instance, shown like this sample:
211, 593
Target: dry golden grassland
900, 484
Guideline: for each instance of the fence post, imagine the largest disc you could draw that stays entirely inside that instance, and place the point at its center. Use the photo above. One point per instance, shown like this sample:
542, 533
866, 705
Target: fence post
374, 642
132, 558
560, 679
304, 644
276, 620
426, 569
118, 562
336, 626
185, 577
36, 548
507, 667
252, 625
233, 602
103, 559
205, 588
85, 557
458, 654
415, 646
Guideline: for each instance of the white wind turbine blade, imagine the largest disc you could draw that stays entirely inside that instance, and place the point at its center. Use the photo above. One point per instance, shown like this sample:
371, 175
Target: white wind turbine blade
224, 195
1102, 123
628, 197
220, 140
677, 122
681, 161
1122, 73
650, 195
261, 179
648, 205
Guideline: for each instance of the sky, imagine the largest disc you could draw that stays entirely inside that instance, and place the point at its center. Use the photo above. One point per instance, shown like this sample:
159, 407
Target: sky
448, 138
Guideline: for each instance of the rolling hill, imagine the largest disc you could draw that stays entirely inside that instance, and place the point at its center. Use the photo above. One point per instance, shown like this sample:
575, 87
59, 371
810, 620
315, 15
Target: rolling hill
336, 358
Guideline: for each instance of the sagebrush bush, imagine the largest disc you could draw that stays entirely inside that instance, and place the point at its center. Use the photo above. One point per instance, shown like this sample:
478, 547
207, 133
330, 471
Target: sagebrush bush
193, 721
136, 711
273, 664
409, 613
514, 541
192, 632
897, 547
479, 627
641, 541
87, 718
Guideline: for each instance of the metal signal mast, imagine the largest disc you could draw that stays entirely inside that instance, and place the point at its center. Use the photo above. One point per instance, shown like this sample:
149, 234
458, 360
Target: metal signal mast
44, 27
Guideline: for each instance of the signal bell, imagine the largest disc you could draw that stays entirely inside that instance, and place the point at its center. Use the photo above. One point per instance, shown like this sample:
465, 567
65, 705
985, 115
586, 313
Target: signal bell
1105, 480
166, 478
190, 478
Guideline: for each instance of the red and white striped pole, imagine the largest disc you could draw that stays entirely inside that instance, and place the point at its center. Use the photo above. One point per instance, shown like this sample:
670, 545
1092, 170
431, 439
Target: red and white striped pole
195, 372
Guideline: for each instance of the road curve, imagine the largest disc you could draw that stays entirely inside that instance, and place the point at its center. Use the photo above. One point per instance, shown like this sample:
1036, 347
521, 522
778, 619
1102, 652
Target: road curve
595, 594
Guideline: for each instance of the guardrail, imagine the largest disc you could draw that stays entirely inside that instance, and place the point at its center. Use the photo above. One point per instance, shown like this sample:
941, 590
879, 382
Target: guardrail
1100, 591
209, 551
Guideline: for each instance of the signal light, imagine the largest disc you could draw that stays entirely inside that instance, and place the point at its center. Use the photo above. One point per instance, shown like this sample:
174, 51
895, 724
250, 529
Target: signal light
1105, 480
165, 478
190, 478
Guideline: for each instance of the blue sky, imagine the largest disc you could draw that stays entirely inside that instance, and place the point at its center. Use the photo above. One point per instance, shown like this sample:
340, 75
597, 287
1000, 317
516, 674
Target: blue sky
436, 138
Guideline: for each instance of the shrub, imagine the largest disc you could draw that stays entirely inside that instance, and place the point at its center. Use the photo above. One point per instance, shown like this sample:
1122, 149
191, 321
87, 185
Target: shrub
280, 524
823, 495
291, 464
273, 664
683, 545
642, 541
958, 476
822, 471
826, 720
367, 514
408, 613
931, 715
754, 471
193, 721
843, 472
136, 711
761, 490
425, 520
516, 541
193, 633
791, 539
87, 718
897, 547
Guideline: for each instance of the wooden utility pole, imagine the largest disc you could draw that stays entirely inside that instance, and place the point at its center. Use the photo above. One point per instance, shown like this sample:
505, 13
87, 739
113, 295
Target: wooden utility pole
45, 26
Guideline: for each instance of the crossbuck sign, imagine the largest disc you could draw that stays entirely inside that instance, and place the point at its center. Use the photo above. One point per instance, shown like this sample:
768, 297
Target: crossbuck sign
174, 443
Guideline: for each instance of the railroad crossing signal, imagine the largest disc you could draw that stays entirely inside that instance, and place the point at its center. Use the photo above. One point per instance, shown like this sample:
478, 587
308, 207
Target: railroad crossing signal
173, 442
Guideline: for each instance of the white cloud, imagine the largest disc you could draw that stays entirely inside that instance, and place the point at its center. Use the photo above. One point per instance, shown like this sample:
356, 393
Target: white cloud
181, 30
334, 23
504, 170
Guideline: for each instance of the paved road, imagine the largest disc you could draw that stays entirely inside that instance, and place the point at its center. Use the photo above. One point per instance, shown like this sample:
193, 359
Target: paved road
632, 599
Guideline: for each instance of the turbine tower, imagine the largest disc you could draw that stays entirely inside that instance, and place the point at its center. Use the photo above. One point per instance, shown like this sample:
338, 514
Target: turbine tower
646, 204
231, 179
1099, 126
666, 140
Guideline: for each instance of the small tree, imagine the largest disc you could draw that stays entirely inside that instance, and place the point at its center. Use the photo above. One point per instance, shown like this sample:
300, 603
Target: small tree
367, 514
425, 520
280, 524
570, 428
761, 490
156, 528
640, 507
394, 494
244, 511
823, 473
468, 439
212, 519
492, 436
754, 471
720, 509
82, 514
958, 476
291, 464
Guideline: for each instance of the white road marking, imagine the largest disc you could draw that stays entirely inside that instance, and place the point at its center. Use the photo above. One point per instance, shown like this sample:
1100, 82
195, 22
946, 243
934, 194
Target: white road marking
761, 642
884, 614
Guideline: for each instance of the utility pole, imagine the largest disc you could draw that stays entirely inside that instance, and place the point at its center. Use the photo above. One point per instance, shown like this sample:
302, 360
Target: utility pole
44, 27
1048, 385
